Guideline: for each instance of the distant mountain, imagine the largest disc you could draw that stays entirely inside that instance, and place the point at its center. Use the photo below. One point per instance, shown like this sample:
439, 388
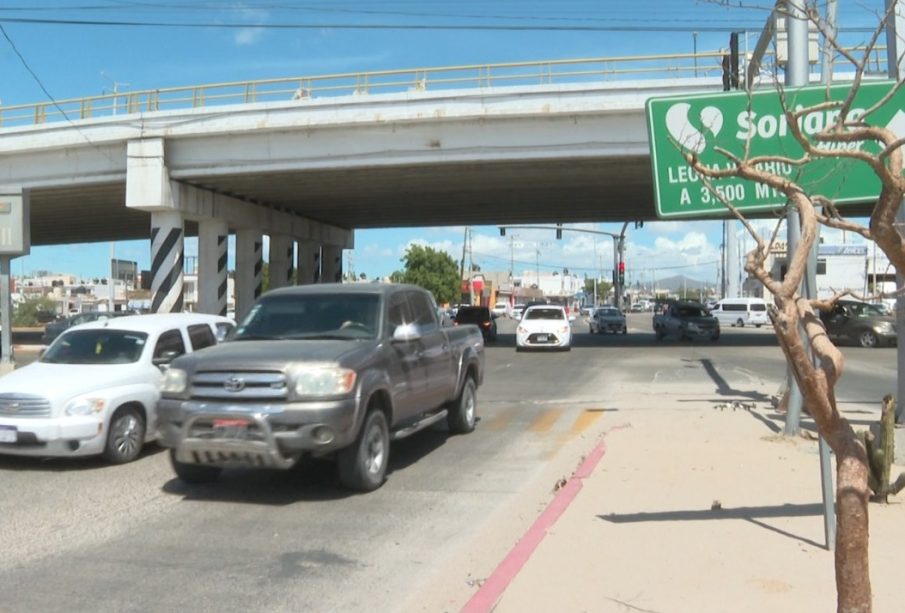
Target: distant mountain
679, 282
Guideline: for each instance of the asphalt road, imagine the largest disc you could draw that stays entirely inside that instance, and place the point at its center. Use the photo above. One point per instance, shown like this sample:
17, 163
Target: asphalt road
84, 536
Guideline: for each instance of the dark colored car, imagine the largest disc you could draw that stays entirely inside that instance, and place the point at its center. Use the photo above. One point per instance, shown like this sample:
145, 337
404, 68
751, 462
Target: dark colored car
479, 316
860, 322
56, 328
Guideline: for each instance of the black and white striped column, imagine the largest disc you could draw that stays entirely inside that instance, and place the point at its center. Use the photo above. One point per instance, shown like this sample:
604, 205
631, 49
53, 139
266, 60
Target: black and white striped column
332, 264
249, 269
281, 252
167, 257
308, 262
213, 238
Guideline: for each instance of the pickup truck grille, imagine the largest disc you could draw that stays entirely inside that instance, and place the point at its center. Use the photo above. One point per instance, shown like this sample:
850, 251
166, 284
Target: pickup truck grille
24, 405
239, 386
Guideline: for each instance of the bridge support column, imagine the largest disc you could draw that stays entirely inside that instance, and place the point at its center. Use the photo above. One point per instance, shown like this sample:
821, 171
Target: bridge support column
281, 252
249, 269
309, 263
332, 264
213, 235
167, 257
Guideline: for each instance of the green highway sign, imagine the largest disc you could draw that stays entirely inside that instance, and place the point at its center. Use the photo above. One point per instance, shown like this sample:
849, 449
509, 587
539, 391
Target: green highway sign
702, 123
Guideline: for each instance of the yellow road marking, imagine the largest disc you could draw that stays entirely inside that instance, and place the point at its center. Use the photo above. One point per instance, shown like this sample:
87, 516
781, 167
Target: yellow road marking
545, 421
584, 421
501, 420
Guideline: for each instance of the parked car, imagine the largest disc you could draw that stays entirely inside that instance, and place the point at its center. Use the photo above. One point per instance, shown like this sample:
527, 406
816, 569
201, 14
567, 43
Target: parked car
53, 329
608, 319
860, 322
482, 317
685, 319
741, 312
544, 326
321, 370
501, 309
95, 389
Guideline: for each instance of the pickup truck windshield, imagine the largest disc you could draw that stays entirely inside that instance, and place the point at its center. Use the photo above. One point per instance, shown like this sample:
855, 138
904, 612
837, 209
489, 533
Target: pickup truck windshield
312, 316
102, 346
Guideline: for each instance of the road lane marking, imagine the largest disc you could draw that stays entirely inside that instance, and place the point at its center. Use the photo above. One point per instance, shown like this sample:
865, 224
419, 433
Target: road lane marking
501, 420
585, 420
545, 421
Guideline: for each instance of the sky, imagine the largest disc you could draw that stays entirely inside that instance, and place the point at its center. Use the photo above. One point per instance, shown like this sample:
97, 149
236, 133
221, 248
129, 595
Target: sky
59, 49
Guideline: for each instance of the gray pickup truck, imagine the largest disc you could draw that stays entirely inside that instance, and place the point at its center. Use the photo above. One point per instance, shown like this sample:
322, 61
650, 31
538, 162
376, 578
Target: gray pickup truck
321, 370
685, 319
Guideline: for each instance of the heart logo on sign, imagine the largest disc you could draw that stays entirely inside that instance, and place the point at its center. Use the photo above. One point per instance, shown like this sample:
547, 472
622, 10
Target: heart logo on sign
687, 135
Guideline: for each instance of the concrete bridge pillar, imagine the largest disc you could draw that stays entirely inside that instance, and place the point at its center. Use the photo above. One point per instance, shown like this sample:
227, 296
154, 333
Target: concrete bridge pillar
281, 252
332, 264
249, 269
308, 263
213, 235
167, 257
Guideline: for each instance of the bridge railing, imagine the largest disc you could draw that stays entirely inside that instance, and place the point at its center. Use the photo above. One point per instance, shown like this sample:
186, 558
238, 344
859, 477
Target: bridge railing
701, 64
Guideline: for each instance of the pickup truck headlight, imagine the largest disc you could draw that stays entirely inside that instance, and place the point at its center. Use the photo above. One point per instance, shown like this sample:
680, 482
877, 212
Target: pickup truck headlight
324, 381
86, 406
174, 381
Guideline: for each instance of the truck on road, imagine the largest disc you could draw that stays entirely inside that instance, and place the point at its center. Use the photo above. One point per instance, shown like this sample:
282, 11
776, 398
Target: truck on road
685, 319
334, 370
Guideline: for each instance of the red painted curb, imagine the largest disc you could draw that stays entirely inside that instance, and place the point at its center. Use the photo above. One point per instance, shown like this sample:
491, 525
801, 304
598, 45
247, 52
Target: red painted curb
490, 592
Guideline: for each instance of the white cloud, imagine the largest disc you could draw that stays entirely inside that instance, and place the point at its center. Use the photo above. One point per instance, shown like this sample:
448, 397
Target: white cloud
250, 35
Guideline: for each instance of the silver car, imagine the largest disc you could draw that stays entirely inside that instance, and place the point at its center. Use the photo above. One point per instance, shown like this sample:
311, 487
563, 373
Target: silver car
608, 319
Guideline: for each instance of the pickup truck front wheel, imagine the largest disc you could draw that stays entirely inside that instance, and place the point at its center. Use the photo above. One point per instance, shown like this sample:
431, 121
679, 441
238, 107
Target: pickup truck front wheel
363, 465
194, 473
461, 417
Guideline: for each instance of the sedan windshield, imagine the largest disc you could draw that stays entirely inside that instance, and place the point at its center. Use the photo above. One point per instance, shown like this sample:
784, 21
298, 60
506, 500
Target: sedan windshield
610, 313
100, 346
542, 313
312, 316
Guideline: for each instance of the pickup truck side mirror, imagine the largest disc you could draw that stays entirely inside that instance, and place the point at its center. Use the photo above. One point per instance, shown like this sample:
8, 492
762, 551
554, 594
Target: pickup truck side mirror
406, 333
165, 358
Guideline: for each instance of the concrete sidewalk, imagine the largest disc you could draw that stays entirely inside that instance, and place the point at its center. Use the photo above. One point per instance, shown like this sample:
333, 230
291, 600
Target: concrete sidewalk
690, 508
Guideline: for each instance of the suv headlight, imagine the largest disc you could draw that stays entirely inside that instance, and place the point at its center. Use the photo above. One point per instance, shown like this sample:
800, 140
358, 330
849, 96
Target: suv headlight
328, 381
86, 406
174, 381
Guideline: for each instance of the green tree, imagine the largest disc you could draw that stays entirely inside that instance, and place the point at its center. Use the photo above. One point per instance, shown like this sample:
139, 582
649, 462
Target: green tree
603, 289
433, 270
26, 315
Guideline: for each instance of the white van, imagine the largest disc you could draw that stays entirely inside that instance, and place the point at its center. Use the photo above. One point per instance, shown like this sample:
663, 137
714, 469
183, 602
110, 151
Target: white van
741, 312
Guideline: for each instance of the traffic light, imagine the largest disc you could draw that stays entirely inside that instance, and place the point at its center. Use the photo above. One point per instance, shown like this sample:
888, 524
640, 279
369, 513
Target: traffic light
621, 274
558, 231
502, 231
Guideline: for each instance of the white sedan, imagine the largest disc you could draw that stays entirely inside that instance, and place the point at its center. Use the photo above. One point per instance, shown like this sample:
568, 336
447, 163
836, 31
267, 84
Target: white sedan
95, 389
544, 326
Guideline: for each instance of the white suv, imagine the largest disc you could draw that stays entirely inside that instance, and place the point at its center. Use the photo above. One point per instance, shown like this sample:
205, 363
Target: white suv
95, 389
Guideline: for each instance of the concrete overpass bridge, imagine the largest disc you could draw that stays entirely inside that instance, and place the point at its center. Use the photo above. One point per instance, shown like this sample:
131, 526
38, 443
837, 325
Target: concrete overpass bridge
306, 161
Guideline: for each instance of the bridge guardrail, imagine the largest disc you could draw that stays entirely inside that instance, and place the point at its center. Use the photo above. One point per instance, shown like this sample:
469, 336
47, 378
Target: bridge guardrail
701, 64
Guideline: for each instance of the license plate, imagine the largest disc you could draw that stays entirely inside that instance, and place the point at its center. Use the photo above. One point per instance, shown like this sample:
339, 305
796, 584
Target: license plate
231, 428
8, 434
541, 338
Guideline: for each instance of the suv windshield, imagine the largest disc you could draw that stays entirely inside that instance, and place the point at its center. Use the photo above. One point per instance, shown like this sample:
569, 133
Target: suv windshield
609, 313
102, 346
312, 316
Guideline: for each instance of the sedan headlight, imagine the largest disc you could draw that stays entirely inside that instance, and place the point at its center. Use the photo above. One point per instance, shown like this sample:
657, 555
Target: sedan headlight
886, 327
693, 328
329, 381
521, 330
564, 330
86, 406
174, 381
